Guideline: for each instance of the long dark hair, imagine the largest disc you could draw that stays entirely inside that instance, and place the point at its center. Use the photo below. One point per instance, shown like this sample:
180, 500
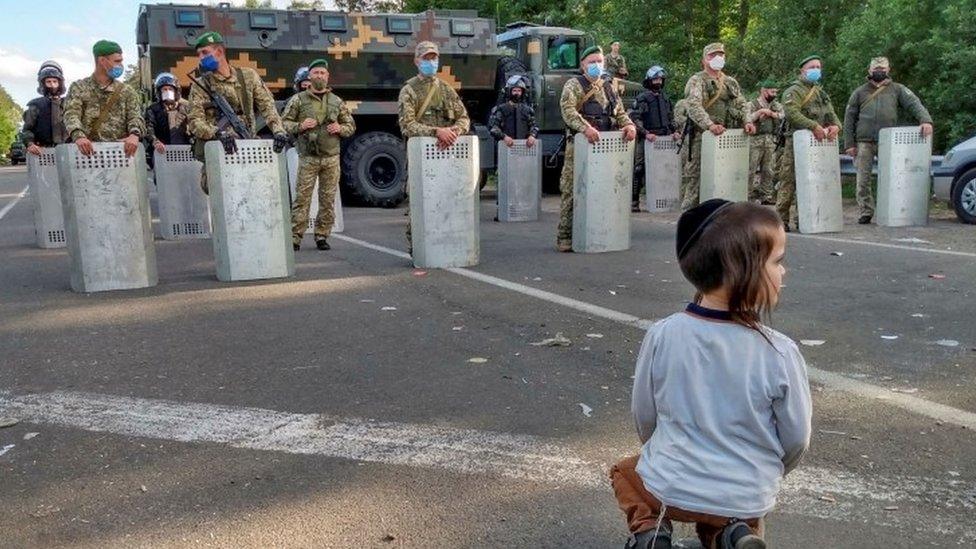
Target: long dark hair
732, 253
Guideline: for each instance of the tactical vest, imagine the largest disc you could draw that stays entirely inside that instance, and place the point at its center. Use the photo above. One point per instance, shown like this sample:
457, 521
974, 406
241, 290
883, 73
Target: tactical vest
43, 127
656, 117
515, 120
719, 111
161, 126
318, 141
765, 126
597, 115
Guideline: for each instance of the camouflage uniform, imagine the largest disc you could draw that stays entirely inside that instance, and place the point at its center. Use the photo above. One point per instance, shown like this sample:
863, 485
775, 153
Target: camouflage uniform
866, 114
730, 109
444, 110
318, 154
762, 150
86, 98
203, 117
570, 106
680, 119
807, 106
615, 65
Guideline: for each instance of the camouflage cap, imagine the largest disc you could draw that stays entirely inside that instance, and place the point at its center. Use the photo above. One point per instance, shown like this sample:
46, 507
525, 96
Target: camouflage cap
809, 58
318, 63
424, 48
208, 38
590, 51
105, 47
712, 48
879, 63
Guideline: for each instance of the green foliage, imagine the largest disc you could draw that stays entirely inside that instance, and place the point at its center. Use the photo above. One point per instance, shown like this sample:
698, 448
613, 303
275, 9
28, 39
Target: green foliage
929, 42
10, 117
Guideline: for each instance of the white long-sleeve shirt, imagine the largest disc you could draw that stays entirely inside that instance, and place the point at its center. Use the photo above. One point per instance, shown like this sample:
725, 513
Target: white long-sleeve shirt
722, 414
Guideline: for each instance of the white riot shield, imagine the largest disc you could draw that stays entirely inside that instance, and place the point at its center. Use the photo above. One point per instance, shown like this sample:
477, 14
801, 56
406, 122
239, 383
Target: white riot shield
519, 181
107, 221
725, 166
45, 190
904, 183
184, 211
818, 197
602, 186
444, 202
249, 201
662, 174
339, 225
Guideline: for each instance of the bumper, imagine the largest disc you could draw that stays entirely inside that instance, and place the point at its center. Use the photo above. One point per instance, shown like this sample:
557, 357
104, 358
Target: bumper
941, 186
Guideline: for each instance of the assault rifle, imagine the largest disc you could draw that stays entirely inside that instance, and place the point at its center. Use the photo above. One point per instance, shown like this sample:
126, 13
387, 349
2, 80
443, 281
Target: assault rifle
227, 115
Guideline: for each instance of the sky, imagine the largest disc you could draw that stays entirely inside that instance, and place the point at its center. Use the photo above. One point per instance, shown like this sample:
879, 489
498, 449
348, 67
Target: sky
65, 30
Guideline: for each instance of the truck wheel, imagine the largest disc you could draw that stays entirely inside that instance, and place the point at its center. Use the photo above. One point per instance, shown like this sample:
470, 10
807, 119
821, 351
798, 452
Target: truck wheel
375, 169
964, 197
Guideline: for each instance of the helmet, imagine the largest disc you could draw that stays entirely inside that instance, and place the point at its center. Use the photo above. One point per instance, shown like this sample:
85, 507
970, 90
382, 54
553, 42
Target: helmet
301, 75
657, 71
165, 79
516, 81
50, 69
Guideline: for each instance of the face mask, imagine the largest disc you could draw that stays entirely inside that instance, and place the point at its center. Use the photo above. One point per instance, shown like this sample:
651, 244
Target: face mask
209, 63
516, 97
717, 63
169, 95
428, 67
116, 72
594, 70
319, 85
656, 86
51, 91
813, 75
770, 97
879, 76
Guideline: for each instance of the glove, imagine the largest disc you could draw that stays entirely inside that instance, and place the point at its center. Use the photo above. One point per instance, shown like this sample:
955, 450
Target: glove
227, 140
280, 142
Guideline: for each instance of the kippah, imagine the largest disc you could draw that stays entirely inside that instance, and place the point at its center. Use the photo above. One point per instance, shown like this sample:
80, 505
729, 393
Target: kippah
692, 223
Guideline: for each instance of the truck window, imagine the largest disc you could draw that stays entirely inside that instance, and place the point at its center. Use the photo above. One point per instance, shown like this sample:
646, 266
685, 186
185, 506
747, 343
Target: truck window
563, 53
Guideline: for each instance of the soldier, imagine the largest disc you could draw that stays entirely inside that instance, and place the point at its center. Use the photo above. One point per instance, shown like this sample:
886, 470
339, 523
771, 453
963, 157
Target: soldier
44, 117
318, 120
430, 107
101, 108
244, 92
807, 107
871, 108
166, 119
653, 116
715, 103
514, 119
616, 63
302, 81
589, 105
766, 115
682, 128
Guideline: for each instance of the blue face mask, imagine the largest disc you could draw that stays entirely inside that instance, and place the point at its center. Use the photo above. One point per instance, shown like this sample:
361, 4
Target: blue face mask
428, 67
813, 75
116, 72
594, 70
209, 63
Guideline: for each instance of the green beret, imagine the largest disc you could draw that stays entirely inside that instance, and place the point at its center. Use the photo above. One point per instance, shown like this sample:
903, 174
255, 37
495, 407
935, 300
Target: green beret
808, 59
769, 83
208, 38
318, 63
105, 47
590, 51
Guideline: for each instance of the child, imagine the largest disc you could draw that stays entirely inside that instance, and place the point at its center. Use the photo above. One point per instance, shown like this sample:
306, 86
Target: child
722, 403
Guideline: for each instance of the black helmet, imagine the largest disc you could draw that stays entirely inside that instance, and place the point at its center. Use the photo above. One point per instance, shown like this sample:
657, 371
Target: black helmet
516, 81
50, 69
165, 79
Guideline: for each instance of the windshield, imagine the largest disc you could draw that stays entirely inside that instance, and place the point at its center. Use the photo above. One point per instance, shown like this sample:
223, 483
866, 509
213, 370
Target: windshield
564, 53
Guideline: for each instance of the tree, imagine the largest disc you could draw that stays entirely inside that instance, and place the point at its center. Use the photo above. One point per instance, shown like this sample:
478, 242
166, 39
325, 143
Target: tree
10, 117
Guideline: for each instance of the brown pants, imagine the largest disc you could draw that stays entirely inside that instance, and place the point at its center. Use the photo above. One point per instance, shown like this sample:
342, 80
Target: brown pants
643, 509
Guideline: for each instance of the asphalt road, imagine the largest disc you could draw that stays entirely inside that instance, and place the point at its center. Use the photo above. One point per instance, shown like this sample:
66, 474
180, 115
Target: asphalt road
366, 404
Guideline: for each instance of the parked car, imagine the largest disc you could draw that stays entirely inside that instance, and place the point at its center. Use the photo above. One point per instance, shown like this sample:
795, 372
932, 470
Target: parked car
18, 153
955, 180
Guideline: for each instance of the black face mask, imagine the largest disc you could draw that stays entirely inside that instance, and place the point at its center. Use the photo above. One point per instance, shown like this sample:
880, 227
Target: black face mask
879, 76
515, 98
51, 92
656, 86
770, 97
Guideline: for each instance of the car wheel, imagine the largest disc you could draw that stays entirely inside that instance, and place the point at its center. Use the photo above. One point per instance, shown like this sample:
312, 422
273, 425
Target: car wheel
964, 197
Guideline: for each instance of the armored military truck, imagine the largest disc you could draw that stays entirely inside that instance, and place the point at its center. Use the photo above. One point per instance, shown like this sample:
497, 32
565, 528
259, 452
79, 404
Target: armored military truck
370, 57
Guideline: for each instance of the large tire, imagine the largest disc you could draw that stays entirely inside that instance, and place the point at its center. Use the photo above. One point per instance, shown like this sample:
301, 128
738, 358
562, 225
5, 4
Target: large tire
964, 197
375, 169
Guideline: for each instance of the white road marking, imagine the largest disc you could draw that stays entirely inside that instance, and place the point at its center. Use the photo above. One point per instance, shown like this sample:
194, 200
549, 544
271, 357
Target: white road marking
943, 504
833, 380
10, 205
882, 245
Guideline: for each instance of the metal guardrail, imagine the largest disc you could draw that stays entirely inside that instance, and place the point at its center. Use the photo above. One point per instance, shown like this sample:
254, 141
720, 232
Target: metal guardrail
847, 165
